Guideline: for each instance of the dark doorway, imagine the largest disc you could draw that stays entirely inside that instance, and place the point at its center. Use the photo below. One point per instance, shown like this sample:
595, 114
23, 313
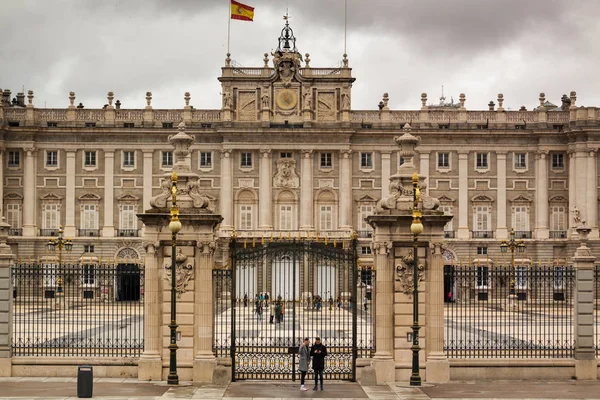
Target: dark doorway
449, 289
128, 282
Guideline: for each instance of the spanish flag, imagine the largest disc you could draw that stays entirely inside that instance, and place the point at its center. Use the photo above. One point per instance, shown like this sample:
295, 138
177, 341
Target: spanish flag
241, 11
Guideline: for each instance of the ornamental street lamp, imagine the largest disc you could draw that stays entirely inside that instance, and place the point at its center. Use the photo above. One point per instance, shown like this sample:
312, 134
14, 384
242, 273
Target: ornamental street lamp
59, 243
512, 245
174, 227
416, 229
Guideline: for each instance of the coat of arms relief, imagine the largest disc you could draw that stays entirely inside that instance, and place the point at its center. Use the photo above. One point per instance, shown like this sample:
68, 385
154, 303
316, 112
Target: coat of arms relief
286, 176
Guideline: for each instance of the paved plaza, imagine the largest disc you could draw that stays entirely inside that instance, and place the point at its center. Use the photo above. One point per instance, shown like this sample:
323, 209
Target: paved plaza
131, 389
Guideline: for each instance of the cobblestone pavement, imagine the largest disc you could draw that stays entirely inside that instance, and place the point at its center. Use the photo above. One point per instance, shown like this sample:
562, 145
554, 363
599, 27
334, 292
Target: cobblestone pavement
132, 389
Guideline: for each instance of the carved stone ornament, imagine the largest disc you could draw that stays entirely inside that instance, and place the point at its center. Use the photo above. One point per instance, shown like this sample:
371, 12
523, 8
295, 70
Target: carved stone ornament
286, 176
404, 273
183, 273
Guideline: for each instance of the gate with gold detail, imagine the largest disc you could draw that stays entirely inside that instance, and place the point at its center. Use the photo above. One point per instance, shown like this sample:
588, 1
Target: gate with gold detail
278, 292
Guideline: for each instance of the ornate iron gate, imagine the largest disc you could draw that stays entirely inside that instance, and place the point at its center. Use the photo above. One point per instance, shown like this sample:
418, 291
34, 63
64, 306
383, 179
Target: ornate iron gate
277, 293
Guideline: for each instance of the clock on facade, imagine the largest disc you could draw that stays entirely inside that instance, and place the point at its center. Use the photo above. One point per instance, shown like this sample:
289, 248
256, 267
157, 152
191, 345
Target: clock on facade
286, 99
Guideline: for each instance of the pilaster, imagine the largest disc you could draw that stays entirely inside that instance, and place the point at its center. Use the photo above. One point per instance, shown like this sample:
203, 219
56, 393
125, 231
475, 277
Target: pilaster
108, 230
6, 299
306, 191
1, 181
386, 172
226, 197
29, 196
147, 178
70, 230
463, 193
265, 190
383, 360
345, 195
572, 191
581, 160
424, 169
501, 229
592, 193
150, 364
542, 230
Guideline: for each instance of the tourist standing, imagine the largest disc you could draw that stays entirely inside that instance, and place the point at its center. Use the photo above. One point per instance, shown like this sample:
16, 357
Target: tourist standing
304, 358
318, 353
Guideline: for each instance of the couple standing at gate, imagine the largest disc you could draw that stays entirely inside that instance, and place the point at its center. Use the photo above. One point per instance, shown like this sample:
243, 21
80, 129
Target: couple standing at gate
317, 353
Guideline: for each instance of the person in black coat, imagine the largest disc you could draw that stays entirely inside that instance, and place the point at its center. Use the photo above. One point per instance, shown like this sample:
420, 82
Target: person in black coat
318, 352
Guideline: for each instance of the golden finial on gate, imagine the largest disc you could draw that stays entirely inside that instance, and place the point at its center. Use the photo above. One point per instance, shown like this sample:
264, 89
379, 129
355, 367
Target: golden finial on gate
354, 235
234, 234
270, 240
334, 242
253, 241
317, 237
289, 235
262, 240
244, 243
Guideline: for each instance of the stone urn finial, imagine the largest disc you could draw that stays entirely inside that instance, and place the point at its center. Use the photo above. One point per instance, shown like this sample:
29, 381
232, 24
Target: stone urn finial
542, 100
583, 250
148, 99
385, 100
181, 142
423, 100
187, 97
407, 143
72, 99
30, 98
110, 97
462, 98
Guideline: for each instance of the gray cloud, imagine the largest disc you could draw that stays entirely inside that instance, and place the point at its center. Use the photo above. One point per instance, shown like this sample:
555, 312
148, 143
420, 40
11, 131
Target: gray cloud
481, 48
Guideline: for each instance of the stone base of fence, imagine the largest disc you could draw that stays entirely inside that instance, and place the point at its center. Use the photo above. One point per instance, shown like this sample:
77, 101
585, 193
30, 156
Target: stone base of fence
5, 367
67, 367
511, 369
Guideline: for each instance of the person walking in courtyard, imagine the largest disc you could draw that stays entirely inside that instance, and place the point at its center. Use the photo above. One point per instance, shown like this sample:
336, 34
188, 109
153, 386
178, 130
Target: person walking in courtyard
365, 302
259, 311
318, 353
272, 312
304, 359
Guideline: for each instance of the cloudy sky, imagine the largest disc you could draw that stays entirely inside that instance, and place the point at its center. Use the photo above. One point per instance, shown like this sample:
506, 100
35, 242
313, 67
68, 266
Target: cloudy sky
404, 47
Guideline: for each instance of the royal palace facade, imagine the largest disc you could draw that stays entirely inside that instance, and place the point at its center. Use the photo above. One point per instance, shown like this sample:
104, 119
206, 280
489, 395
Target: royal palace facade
287, 156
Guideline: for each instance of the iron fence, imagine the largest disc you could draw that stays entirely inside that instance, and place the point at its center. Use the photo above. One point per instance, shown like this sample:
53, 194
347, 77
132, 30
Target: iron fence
503, 312
78, 310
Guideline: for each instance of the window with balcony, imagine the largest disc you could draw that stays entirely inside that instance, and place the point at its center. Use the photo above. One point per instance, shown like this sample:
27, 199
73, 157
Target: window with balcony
13, 218
520, 221
167, 159
246, 217
558, 222
50, 219
286, 222
326, 218
128, 219
448, 228
364, 229
246, 160
366, 160
89, 220
482, 219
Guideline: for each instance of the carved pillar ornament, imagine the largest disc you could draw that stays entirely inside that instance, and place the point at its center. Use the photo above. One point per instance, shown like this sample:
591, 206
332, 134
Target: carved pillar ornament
207, 247
404, 273
183, 273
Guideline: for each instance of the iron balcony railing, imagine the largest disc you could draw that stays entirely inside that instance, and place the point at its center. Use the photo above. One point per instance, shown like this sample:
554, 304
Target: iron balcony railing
483, 234
49, 232
15, 232
449, 234
88, 232
558, 234
523, 234
128, 232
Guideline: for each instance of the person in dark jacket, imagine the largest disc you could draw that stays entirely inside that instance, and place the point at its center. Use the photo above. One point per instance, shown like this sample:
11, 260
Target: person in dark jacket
318, 352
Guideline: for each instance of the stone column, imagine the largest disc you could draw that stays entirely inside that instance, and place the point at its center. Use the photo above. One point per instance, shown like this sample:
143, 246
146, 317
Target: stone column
424, 169
463, 193
345, 195
306, 191
501, 229
29, 196
385, 173
2, 182
147, 179
572, 192
70, 229
437, 365
592, 193
204, 359
542, 231
581, 179
585, 353
6, 298
108, 230
150, 364
383, 360
265, 192
226, 200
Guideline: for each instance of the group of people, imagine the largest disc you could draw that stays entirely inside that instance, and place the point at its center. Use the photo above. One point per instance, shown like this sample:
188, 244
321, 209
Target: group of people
315, 354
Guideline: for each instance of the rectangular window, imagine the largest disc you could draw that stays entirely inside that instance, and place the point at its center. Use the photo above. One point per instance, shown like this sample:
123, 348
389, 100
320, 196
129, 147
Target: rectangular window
521, 277
128, 159
482, 218
558, 161
128, 217
205, 159
482, 160
128, 125
285, 155
90, 159
285, 218
14, 158
51, 124
447, 211
246, 160
51, 158
443, 160
246, 217
90, 124
50, 276
559, 277
167, 158
51, 216
89, 216
167, 125
364, 212
326, 160
558, 219
521, 218
483, 275
326, 218
88, 276
482, 251
88, 248
365, 250
520, 160
13, 215
366, 160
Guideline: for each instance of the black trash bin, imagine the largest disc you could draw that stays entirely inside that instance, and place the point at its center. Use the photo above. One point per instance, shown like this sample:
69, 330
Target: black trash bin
85, 381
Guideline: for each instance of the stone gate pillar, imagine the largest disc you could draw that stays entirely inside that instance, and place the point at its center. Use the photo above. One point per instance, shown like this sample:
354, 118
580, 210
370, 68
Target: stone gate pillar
195, 246
6, 309
394, 261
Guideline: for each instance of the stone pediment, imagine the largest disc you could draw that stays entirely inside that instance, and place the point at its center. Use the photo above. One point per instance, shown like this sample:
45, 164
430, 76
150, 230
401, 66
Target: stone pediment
13, 196
559, 199
51, 196
445, 199
89, 197
128, 197
521, 199
482, 198
367, 199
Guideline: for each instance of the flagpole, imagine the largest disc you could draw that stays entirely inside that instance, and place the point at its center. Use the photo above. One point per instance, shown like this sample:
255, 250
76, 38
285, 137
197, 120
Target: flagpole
345, 23
228, 24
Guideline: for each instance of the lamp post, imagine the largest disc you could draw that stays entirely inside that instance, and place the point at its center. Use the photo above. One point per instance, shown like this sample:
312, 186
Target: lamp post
59, 243
416, 228
512, 245
174, 227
